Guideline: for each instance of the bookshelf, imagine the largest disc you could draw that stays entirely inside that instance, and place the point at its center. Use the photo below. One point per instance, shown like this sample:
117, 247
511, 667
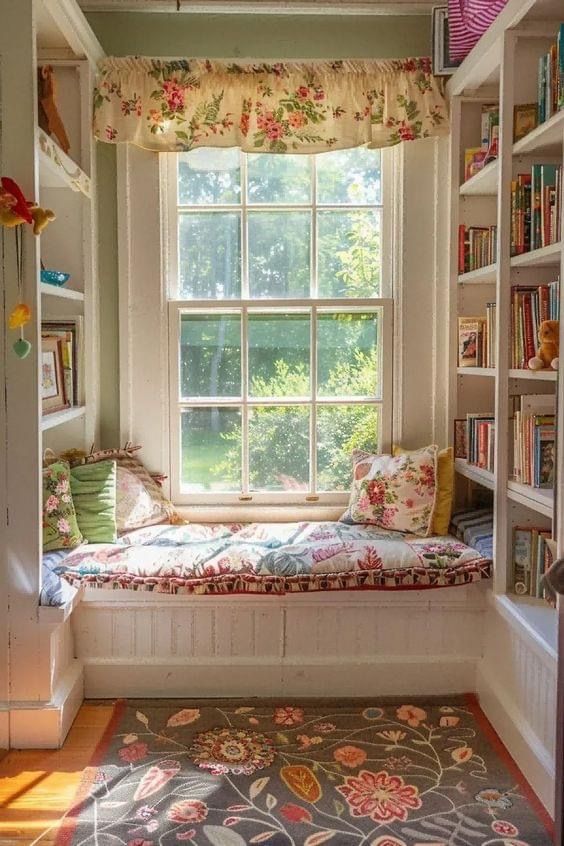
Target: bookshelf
517, 680
45, 680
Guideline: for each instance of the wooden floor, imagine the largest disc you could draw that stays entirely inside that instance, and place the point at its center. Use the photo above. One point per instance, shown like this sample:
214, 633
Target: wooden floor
37, 786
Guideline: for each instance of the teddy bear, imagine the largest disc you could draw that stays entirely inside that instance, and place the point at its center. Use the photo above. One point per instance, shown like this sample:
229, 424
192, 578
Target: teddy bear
547, 352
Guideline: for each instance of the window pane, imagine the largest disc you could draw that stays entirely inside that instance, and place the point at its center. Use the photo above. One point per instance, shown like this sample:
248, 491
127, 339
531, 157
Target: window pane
279, 353
352, 177
211, 449
279, 179
279, 254
279, 448
209, 176
347, 355
210, 355
340, 429
348, 253
209, 255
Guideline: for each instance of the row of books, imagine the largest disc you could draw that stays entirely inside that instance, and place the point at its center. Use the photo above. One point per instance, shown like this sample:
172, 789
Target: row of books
477, 247
530, 305
475, 440
476, 339
551, 79
531, 559
534, 440
475, 158
535, 208
61, 363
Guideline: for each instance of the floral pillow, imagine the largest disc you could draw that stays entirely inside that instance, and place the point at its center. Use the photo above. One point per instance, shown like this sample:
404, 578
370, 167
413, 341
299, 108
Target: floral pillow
396, 493
60, 526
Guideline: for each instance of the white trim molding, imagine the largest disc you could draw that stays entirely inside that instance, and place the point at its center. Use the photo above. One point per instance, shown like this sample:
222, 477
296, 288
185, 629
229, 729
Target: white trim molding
265, 7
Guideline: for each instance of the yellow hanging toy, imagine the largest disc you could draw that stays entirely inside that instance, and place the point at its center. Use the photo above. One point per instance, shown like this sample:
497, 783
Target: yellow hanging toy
15, 211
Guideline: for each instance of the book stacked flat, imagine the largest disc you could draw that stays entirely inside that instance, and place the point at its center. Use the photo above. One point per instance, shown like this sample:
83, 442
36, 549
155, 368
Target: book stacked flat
530, 305
531, 560
534, 440
535, 208
476, 339
477, 247
480, 440
551, 79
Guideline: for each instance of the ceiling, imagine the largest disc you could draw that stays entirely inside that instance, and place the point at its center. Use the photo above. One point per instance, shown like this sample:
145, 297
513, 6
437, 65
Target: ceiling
280, 7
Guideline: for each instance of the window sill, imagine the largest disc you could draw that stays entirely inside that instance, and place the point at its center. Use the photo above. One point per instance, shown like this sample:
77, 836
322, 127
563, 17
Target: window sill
258, 513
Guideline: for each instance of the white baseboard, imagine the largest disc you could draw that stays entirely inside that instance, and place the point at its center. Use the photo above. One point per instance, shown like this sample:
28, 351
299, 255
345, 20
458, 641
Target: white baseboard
531, 756
45, 725
243, 677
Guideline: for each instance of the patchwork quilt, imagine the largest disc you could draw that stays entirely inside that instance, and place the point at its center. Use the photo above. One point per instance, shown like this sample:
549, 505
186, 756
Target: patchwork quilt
274, 558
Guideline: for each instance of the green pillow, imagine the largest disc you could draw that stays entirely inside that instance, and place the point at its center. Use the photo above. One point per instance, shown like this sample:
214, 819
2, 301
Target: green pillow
60, 526
94, 494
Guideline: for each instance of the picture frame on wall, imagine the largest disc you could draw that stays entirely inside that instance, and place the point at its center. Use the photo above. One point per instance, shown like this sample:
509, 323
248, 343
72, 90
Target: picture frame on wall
52, 377
442, 63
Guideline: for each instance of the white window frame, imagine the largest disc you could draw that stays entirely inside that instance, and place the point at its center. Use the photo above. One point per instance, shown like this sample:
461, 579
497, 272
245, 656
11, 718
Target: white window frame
245, 306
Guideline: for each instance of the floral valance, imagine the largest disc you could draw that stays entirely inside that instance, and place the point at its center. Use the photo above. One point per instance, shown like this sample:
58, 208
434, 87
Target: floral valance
277, 108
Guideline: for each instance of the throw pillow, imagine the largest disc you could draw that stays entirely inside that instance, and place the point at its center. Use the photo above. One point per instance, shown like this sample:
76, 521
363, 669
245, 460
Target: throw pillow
445, 489
60, 527
394, 493
94, 490
149, 503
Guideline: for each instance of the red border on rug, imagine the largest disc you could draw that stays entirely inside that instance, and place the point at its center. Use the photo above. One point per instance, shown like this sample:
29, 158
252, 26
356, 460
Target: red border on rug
68, 824
499, 747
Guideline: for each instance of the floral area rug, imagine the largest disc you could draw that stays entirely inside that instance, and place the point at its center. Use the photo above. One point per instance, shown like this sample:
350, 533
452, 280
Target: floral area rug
345, 773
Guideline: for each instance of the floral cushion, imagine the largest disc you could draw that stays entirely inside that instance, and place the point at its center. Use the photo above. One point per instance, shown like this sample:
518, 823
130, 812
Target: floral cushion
60, 526
275, 558
397, 493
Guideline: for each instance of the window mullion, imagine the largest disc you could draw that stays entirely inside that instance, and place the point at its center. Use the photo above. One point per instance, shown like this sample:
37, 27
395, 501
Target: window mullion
313, 413
314, 287
245, 399
244, 229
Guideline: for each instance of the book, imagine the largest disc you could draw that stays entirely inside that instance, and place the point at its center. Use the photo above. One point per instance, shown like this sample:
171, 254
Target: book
522, 559
469, 329
530, 305
531, 557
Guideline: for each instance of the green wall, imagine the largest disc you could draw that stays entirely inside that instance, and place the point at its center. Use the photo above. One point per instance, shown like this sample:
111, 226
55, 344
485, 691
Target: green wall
221, 37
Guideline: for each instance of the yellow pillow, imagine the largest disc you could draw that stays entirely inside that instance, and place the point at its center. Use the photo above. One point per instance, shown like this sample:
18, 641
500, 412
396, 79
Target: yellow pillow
445, 488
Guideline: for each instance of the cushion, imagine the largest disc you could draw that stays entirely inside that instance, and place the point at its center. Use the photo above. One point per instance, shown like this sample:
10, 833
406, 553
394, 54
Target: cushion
93, 489
394, 493
140, 501
60, 526
445, 488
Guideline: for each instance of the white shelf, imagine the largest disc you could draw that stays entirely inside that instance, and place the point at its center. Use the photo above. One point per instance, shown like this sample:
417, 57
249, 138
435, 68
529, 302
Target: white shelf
539, 258
483, 183
482, 276
546, 138
57, 169
61, 292
57, 418
475, 474
539, 620
475, 371
540, 500
533, 375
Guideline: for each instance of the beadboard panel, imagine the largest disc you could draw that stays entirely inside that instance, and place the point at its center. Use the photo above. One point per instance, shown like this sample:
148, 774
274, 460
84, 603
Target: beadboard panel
140, 645
516, 685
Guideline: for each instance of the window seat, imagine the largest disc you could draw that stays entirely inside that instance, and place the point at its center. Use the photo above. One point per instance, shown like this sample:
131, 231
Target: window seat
271, 559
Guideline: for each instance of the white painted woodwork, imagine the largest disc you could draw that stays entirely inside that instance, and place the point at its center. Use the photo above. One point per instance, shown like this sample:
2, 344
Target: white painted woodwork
517, 676
343, 644
293, 7
43, 683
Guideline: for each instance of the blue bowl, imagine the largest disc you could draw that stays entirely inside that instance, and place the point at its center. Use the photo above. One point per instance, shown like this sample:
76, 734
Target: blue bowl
54, 277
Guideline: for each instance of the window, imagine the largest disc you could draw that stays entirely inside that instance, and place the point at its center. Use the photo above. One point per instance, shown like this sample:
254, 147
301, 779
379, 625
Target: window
280, 339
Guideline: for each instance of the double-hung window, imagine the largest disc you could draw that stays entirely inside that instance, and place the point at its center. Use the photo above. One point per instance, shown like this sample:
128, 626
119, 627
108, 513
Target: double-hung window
280, 336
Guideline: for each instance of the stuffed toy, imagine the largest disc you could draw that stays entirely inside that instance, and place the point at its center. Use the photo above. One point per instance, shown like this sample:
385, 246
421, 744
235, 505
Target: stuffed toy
41, 217
547, 352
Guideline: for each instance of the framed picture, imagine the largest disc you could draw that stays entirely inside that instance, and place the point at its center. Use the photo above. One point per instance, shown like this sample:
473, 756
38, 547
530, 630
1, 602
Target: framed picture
460, 448
52, 379
442, 64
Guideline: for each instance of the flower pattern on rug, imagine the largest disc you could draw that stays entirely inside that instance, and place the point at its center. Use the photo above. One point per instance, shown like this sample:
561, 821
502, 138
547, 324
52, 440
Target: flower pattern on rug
222, 773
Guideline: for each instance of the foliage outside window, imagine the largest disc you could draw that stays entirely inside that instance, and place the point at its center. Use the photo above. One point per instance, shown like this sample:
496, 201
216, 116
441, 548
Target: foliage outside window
279, 335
